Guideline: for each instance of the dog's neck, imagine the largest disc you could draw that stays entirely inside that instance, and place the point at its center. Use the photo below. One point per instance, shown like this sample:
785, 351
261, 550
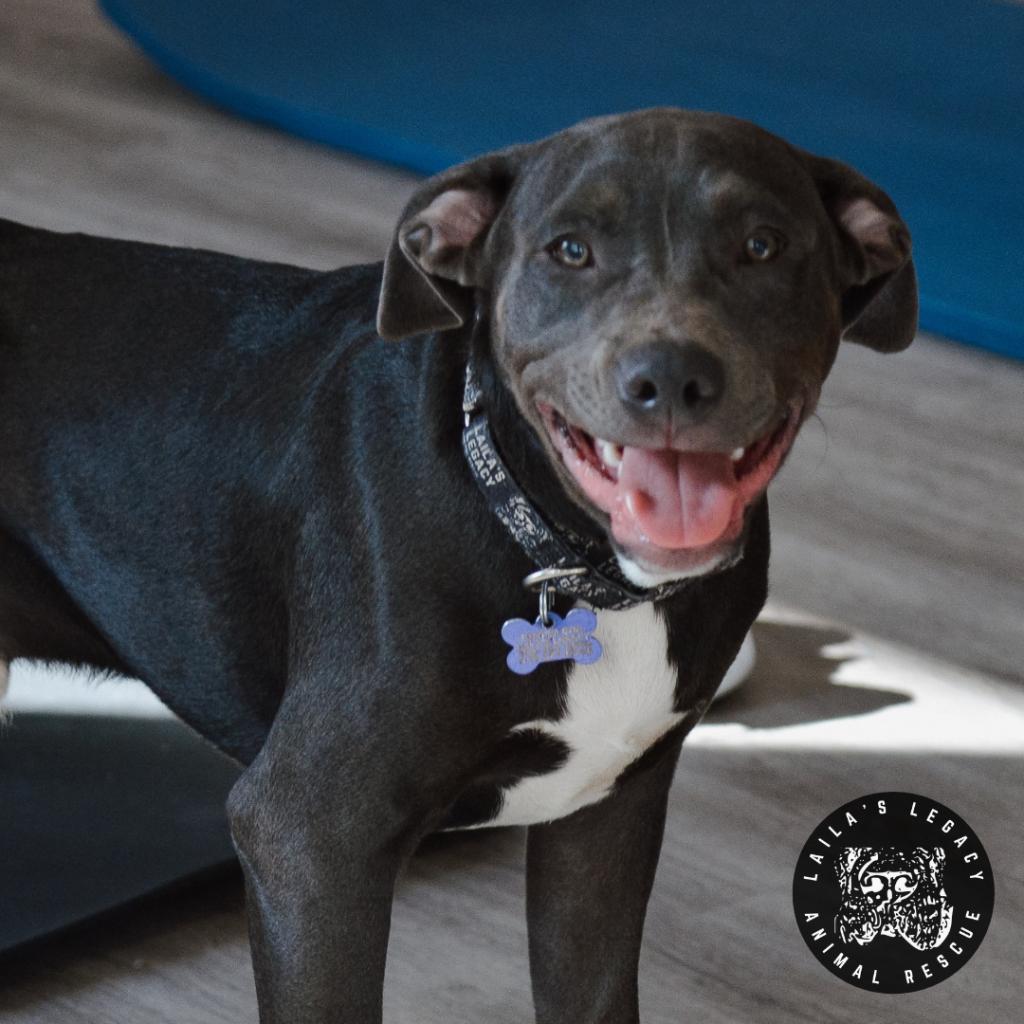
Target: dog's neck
514, 473
523, 451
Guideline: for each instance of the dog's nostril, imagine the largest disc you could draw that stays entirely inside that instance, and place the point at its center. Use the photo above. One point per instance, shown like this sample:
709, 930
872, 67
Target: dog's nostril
697, 390
643, 391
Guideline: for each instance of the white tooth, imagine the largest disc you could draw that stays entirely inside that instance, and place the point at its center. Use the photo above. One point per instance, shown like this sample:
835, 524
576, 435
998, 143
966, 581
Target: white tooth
738, 454
611, 454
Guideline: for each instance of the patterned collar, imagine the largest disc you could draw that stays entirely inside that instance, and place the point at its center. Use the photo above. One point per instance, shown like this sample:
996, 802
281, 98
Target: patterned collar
548, 545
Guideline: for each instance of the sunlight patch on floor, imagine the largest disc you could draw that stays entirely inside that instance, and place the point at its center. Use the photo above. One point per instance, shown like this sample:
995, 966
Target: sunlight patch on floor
930, 705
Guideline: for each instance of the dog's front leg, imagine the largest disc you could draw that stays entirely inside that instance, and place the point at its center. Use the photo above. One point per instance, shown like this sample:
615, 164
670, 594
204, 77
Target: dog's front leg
588, 880
323, 820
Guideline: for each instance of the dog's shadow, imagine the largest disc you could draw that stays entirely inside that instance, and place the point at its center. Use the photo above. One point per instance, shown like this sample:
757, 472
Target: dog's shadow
792, 681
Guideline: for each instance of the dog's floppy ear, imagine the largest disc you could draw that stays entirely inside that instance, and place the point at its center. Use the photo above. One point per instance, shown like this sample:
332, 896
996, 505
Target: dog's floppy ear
879, 304
434, 260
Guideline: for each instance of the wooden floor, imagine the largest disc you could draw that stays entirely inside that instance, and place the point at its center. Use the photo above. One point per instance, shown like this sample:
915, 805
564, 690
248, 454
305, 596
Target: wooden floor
898, 514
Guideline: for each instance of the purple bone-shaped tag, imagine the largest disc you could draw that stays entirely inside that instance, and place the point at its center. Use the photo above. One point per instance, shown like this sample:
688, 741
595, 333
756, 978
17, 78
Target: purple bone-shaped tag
567, 639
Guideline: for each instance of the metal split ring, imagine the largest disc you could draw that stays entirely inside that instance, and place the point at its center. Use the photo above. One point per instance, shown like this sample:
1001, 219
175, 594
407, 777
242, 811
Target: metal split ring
544, 578
545, 602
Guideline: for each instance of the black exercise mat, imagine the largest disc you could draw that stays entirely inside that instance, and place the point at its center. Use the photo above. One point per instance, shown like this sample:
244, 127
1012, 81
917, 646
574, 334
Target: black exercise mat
96, 811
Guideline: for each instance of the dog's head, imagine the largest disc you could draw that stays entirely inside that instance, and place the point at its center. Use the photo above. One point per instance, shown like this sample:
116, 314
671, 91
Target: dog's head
666, 291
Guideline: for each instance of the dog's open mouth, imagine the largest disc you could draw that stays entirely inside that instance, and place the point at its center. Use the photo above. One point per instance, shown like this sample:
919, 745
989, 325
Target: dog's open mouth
670, 506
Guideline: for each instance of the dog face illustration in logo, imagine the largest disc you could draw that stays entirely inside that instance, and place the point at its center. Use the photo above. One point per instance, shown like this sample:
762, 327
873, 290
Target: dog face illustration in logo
892, 892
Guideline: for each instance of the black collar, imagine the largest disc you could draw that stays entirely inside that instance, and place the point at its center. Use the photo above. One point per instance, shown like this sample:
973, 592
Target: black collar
548, 545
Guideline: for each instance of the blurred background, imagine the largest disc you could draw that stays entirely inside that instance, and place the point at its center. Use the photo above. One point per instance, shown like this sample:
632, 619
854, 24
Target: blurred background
891, 654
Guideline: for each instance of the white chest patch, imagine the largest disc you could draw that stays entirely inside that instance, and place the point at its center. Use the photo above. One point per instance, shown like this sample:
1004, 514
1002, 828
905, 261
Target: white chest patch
614, 710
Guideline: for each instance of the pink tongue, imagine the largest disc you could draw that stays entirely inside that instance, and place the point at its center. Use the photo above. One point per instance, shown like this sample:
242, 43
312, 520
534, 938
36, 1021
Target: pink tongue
675, 499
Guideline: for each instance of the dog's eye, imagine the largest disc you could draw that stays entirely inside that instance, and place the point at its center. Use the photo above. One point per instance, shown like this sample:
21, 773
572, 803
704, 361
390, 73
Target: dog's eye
571, 252
763, 245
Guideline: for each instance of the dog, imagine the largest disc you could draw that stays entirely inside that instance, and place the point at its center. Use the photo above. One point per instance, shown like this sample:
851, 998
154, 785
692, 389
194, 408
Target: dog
302, 506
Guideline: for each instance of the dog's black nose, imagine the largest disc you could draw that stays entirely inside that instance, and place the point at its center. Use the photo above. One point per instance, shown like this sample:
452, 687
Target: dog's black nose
680, 380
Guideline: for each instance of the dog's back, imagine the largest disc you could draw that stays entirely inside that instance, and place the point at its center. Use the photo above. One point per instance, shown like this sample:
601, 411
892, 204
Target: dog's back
164, 390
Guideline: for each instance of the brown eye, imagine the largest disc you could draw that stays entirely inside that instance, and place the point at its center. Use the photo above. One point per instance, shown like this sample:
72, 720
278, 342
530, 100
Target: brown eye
763, 245
570, 252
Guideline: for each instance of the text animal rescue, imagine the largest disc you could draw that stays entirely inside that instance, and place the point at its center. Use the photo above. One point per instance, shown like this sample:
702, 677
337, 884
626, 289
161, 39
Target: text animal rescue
841, 959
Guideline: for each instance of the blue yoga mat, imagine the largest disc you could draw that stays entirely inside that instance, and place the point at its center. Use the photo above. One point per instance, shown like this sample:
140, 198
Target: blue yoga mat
924, 96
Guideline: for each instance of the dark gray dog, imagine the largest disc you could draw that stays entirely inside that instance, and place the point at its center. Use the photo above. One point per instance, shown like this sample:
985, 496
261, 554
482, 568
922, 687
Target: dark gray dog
218, 478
